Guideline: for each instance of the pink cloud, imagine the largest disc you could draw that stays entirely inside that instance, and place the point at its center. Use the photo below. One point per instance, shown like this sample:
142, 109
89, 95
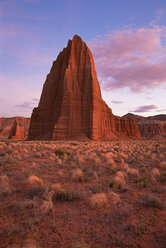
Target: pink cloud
131, 58
159, 16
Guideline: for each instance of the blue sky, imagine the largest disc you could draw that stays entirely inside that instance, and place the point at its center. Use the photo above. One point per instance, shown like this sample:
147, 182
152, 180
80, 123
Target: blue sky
126, 37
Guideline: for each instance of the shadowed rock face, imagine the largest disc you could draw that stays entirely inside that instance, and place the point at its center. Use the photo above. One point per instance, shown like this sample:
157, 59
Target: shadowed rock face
71, 102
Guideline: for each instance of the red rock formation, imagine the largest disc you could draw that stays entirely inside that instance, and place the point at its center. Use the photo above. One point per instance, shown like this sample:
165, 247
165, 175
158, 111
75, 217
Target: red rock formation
151, 126
14, 128
17, 131
71, 102
149, 130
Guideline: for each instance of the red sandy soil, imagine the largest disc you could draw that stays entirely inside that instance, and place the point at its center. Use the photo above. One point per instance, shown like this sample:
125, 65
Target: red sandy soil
84, 194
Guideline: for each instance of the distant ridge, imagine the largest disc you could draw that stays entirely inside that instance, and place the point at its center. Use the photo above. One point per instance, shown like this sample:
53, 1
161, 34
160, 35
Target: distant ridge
138, 118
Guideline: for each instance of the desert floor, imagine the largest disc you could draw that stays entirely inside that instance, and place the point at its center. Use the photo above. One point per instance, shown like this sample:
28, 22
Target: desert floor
83, 194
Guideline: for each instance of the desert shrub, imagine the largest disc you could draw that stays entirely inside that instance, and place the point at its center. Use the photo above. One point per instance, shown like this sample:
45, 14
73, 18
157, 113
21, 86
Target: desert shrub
61, 153
34, 180
152, 201
17, 206
98, 200
36, 191
143, 169
118, 182
138, 180
74, 144
111, 184
96, 189
122, 212
116, 149
67, 195
112, 172
145, 182
9, 152
163, 178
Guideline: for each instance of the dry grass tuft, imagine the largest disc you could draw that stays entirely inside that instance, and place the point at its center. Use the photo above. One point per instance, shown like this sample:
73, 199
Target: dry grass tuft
163, 165
120, 174
155, 173
35, 181
98, 200
77, 175
29, 243
81, 244
4, 184
113, 197
56, 187
125, 166
118, 182
133, 172
47, 205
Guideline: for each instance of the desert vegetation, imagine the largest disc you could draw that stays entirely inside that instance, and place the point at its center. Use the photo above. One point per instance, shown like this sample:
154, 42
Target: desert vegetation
83, 194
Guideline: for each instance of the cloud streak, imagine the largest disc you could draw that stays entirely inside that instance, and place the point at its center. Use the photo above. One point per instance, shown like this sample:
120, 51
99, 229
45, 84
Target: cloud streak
133, 58
28, 105
117, 102
145, 108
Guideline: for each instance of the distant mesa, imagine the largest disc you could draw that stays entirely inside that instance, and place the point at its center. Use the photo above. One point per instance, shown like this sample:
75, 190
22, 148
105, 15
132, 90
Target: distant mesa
71, 104
151, 126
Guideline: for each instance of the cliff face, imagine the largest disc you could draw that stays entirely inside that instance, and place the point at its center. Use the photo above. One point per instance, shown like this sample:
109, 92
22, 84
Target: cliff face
14, 128
71, 102
150, 130
151, 126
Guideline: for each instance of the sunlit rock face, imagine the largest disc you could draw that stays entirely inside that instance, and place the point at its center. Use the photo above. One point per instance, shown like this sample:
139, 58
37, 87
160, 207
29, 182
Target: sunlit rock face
14, 127
71, 104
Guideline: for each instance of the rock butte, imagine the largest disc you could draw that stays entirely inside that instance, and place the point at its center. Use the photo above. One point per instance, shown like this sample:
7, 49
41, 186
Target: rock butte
71, 104
14, 128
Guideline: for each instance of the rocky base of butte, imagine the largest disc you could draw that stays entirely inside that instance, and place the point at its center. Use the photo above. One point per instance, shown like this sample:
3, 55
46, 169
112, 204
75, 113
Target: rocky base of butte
71, 104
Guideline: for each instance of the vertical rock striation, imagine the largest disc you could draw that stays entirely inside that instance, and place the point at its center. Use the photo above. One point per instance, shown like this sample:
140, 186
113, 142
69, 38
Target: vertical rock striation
71, 102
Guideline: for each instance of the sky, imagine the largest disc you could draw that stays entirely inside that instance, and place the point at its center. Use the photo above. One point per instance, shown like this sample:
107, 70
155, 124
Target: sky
127, 39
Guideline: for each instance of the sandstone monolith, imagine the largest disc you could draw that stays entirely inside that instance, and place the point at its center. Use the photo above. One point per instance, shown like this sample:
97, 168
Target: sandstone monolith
71, 103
